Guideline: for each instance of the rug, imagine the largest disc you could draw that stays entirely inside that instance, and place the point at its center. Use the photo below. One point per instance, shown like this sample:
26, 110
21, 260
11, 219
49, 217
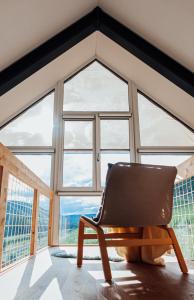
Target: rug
64, 254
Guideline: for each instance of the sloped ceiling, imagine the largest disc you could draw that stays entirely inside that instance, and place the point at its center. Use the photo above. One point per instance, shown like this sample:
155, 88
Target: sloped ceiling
167, 25
25, 24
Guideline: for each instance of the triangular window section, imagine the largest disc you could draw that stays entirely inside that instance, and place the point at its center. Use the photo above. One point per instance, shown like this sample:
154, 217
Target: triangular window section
158, 128
33, 127
95, 88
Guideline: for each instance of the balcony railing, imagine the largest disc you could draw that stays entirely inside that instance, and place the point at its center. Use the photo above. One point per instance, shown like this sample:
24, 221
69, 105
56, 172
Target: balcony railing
26, 205
183, 210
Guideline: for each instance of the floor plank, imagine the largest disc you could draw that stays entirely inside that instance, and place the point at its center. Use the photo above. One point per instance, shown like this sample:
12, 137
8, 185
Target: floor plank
46, 277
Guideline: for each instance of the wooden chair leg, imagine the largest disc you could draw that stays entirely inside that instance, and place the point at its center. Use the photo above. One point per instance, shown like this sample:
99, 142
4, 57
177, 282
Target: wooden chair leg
178, 251
80, 244
104, 255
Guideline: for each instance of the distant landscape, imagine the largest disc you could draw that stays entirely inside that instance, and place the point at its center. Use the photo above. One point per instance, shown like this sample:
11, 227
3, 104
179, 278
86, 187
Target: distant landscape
17, 232
69, 228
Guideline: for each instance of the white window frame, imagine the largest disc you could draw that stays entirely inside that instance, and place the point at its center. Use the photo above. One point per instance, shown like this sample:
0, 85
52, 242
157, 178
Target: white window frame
56, 149
96, 116
153, 150
36, 150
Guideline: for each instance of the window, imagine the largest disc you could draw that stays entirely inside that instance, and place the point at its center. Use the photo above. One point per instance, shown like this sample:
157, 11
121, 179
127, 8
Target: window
158, 128
111, 157
78, 154
163, 139
34, 161
30, 137
77, 169
95, 89
172, 159
96, 127
114, 134
166, 159
71, 209
114, 144
29, 129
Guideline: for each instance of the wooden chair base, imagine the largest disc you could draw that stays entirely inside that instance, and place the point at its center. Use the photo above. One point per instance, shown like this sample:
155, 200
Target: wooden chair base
121, 240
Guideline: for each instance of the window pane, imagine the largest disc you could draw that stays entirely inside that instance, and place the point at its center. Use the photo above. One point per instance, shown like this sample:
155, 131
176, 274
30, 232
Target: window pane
112, 157
164, 159
39, 164
95, 89
114, 134
157, 128
78, 134
77, 169
43, 222
71, 209
33, 127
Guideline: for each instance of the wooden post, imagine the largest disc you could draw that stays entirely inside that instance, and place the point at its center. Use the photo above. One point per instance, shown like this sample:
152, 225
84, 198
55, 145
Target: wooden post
3, 199
80, 243
34, 223
51, 203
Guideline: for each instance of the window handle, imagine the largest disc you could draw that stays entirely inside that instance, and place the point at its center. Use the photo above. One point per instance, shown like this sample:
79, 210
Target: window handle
98, 156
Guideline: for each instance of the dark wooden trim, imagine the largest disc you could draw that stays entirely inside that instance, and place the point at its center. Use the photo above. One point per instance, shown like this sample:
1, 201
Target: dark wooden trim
97, 20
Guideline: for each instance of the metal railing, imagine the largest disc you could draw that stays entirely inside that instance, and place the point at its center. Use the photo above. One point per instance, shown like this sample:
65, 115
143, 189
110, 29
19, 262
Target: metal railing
183, 208
26, 205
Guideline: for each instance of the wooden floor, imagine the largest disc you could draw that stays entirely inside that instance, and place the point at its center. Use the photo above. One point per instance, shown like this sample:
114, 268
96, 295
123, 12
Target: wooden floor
47, 277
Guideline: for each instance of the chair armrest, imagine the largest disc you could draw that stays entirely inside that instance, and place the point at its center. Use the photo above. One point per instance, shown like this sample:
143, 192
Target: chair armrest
89, 222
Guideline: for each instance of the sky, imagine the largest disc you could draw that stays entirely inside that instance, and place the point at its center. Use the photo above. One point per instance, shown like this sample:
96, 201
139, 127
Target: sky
33, 127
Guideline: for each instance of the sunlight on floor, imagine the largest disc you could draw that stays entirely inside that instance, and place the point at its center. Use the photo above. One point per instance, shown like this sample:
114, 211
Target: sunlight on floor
46, 277
43, 257
130, 282
52, 291
97, 275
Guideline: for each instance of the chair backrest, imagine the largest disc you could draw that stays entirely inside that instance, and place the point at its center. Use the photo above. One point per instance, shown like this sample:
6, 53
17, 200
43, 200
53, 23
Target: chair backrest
138, 195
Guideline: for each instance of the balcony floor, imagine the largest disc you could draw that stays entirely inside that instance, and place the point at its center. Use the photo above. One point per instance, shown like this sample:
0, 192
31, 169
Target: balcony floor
47, 277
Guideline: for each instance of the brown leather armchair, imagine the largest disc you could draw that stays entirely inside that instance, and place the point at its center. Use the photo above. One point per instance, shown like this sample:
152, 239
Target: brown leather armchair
135, 195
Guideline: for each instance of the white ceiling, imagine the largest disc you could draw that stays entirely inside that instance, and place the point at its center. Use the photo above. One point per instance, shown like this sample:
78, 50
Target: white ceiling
166, 24
25, 24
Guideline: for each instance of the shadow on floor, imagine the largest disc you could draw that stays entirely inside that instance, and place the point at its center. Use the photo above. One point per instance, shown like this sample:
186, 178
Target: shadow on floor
61, 279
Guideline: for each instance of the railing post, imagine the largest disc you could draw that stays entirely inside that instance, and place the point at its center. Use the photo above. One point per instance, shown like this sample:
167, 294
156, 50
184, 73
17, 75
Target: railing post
34, 223
50, 219
3, 199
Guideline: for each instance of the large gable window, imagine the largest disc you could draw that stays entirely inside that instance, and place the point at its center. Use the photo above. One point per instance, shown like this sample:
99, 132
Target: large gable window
95, 118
